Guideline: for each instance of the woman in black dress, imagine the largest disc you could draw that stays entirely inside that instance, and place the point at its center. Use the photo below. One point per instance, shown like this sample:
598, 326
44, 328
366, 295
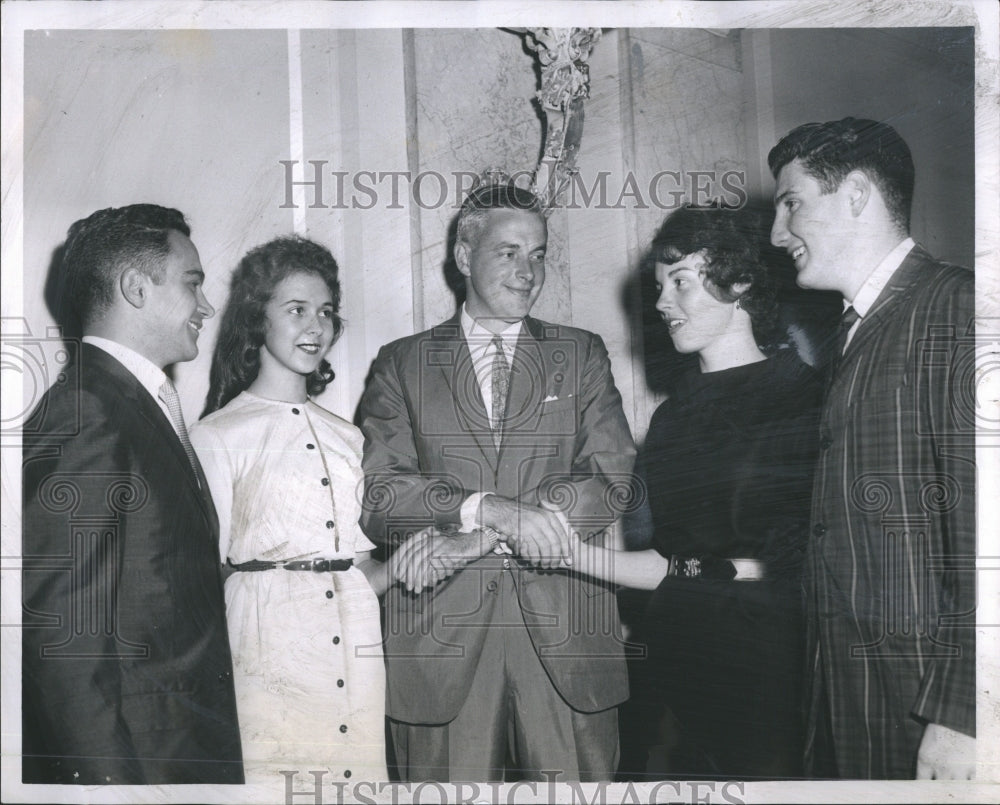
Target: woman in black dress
726, 467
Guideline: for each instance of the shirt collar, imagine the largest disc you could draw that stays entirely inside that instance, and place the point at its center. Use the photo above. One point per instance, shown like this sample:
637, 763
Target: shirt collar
149, 375
475, 333
879, 278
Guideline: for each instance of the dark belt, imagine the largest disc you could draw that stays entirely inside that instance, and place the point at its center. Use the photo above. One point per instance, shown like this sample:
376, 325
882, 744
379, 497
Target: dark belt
714, 567
315, 565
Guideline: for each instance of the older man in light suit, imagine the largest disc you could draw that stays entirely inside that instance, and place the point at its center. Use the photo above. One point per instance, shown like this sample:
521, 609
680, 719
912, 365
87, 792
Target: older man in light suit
891, 563
127, 673
503, 432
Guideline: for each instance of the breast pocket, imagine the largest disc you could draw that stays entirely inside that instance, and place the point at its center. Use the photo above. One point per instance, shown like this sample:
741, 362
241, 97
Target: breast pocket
558, 417
567, 403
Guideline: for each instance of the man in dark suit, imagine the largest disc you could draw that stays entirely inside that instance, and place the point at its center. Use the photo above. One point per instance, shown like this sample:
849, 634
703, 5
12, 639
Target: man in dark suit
502, 432
127, 674
891, 561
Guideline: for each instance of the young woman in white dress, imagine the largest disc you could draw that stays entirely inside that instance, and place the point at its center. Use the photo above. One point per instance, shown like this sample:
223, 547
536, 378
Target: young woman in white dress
285, 474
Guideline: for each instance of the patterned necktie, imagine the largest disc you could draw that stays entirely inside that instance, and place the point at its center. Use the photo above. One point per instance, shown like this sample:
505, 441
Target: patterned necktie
169, 396
501, 382
847, 319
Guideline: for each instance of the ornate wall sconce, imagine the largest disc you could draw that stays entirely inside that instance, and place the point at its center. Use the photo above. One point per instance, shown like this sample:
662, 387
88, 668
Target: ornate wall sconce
562, 54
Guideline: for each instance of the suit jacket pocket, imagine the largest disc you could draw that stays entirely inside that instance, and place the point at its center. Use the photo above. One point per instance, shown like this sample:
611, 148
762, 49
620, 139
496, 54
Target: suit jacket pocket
559, 405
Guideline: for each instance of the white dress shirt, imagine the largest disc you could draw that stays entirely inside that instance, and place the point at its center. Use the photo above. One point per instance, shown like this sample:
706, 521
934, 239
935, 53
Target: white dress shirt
480, 343
149, 375
876, 282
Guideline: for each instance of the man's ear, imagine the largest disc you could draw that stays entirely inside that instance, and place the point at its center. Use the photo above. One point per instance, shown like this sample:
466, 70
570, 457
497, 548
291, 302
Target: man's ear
739, 288
859, 190
133, 286
462, 258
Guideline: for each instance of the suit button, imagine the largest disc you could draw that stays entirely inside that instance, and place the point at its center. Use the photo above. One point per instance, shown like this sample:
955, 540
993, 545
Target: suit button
336, 640
343, 728
347, 773
310, 446
340, 683
825, 439
819, 529
329, 523
224, 676
492, 586
325, 481
295, 410
329, 593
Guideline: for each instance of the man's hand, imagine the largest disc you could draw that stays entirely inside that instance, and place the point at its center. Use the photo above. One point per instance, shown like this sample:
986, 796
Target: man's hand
538, 534
430, 557
946, 754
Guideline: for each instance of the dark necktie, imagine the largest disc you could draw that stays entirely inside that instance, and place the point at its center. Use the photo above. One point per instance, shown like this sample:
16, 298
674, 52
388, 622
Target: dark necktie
170, 398
847, 320
501, 383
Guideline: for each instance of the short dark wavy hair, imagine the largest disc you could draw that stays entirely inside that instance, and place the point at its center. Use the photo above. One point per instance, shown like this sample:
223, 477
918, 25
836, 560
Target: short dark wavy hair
730, 241
236, 359
101, 246
829, 151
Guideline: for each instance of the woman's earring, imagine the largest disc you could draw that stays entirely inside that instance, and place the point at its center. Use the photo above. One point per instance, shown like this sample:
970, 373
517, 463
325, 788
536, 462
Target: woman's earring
739, 303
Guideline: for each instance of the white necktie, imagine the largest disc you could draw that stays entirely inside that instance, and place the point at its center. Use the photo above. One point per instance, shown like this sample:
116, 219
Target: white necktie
173, 402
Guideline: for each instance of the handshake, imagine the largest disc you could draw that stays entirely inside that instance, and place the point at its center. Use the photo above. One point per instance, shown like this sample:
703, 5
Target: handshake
538, 535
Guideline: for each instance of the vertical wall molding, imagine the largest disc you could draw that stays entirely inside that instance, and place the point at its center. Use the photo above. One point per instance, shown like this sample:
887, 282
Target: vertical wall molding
640, 393
296, 126
757, 70
413, 166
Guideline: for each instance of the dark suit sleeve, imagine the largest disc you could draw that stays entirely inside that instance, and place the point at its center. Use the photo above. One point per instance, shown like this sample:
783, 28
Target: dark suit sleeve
73, 729
945, 396
600, 487
395, 487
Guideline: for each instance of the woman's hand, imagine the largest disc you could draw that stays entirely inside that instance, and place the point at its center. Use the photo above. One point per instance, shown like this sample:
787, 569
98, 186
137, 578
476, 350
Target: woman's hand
429, 557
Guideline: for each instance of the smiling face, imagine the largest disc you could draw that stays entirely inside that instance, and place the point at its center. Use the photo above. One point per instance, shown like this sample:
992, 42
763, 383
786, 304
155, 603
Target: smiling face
815, 228
505, 268
696, 320
175, 306
300, 326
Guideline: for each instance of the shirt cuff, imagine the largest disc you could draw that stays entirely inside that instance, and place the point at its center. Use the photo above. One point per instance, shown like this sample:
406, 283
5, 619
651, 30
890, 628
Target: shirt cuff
470, 511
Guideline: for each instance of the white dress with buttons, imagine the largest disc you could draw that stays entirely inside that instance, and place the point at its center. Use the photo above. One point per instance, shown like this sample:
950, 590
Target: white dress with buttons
307, 647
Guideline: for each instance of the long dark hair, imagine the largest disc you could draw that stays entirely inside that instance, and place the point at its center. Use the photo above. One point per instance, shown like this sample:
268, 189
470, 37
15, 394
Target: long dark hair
236, 359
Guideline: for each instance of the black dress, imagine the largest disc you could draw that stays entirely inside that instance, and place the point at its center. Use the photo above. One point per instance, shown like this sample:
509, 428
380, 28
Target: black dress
728, 465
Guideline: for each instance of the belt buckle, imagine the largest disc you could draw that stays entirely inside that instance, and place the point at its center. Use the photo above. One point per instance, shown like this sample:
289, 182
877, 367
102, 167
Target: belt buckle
320, 565
692, 567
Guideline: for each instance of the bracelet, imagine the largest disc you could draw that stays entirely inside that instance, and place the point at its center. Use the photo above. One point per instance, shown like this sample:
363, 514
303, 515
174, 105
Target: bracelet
493, 536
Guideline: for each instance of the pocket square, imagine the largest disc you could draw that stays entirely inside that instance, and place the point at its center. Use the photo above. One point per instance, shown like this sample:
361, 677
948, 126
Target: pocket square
553, 398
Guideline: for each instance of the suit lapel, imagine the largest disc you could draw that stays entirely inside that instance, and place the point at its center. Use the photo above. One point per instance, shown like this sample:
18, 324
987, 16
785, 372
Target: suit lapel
528, 375
533, 370
898, 288
159, 427
150, 410
459, 375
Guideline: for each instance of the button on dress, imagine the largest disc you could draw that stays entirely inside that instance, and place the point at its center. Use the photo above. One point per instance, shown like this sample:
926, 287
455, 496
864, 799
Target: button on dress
307, 647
